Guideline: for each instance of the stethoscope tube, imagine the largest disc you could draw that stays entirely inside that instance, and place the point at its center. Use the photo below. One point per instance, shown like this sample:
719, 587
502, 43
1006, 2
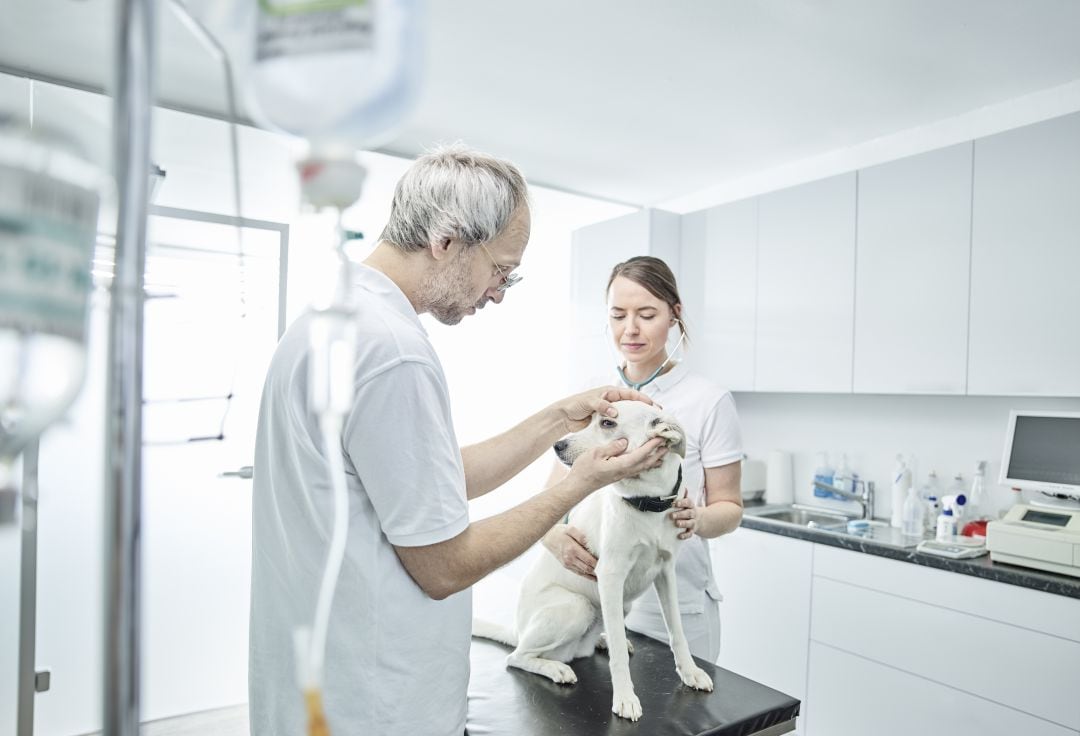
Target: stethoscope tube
637, 386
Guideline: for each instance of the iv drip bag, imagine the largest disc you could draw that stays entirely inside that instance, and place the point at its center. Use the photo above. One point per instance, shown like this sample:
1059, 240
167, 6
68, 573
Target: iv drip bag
337, 72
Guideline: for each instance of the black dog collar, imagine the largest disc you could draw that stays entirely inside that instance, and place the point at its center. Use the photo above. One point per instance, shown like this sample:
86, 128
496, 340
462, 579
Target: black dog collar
656, 503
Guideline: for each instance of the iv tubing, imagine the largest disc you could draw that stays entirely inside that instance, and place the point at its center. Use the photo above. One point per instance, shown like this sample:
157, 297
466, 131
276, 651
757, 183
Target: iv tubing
330, 424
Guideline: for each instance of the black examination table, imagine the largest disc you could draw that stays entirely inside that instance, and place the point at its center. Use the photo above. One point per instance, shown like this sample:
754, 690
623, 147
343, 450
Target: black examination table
509, 702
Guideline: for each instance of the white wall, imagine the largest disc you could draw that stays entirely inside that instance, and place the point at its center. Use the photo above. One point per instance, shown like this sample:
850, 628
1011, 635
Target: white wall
948, 434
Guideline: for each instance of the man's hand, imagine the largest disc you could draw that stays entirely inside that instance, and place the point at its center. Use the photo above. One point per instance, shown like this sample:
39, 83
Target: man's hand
602, 466
567, 543
577, 410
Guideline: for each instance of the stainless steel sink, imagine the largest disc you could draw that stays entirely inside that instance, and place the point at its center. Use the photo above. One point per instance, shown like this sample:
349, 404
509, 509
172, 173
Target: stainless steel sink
802, 517
834, 523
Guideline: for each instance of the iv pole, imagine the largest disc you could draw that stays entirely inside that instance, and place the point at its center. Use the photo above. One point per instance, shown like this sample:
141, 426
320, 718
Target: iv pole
134, 63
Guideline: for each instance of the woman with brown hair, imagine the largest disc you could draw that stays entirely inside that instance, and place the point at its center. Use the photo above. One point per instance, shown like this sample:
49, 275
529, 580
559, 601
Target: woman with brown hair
643, 307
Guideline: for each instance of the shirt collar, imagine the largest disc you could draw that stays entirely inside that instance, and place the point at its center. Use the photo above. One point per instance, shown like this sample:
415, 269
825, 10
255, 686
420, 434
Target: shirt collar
378, 283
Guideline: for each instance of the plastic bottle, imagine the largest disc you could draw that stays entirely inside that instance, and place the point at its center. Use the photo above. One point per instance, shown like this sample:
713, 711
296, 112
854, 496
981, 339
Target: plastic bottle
957, 488
977, 511
946, 526
946, 522
900, 484
823, 474
842, 477
930, 493
914, 524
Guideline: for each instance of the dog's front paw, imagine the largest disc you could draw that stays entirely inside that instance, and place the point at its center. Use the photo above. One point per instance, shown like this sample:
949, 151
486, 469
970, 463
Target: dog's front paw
626, 705
558, 672
696, 678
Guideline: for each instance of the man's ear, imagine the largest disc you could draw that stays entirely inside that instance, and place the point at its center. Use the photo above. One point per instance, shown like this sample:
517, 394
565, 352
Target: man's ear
441, 248
673, 433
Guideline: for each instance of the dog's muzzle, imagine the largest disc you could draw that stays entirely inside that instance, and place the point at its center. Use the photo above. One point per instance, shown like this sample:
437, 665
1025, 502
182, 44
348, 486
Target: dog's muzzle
562, 450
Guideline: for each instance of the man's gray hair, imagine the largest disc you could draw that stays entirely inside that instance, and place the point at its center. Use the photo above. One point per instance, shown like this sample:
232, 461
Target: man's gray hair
454, 192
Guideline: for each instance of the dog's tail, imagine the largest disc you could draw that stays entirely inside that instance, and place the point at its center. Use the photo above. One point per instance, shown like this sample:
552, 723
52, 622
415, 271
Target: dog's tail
495, 632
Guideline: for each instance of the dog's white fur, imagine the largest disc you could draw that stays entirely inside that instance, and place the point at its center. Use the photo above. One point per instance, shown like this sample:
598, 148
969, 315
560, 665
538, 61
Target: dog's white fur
557, 614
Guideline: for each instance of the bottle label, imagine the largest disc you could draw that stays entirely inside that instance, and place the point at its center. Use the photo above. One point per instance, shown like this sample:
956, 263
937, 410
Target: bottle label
298, 27
48, 229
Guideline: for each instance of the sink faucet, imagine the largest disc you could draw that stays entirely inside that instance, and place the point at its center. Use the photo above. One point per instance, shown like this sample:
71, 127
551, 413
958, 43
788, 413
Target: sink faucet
864, 499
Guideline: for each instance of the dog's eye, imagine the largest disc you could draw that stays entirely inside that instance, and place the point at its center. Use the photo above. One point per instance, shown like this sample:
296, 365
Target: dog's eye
607, 423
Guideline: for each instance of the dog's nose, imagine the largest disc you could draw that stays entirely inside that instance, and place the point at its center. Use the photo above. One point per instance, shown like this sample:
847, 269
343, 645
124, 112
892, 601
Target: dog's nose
560, 445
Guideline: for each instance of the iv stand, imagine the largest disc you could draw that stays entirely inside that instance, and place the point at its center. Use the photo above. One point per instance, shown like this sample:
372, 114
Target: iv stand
135, 69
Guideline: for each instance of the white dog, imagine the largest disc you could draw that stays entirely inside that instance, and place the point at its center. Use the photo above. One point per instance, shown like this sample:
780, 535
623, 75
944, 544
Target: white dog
628, 530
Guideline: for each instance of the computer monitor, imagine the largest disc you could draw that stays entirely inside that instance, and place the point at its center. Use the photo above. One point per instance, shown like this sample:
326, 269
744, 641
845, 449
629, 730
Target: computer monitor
1042, 453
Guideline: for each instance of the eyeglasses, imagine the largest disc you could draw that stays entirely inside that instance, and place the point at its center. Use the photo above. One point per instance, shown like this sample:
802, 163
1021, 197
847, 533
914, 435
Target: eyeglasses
508, 279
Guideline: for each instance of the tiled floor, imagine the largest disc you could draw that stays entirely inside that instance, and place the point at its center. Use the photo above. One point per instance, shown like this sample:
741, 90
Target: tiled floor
232, 721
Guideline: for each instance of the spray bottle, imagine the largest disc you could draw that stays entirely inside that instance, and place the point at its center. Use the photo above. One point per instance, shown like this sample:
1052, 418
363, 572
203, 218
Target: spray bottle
950, 510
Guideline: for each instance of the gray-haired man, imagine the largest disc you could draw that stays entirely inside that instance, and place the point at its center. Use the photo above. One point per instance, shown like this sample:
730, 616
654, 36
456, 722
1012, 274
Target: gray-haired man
397, 659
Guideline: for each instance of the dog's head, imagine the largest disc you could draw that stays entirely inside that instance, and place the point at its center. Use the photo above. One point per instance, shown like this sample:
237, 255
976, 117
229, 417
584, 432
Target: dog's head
637, 423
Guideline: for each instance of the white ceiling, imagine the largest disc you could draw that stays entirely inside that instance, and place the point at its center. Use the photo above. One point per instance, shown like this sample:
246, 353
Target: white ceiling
643, 102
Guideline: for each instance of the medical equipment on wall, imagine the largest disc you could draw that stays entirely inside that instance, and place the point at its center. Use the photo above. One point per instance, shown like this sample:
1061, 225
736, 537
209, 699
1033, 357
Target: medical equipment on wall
50, 195
340, 74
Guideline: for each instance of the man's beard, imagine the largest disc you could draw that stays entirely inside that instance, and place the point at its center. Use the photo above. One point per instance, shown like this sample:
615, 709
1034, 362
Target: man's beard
447, 291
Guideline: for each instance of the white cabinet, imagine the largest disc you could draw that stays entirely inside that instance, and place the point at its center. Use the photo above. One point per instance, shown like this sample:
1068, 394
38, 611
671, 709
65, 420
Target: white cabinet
765, 614
806, 287
595, 250
929, 638
719, 285
1025, 305
911, 278
855, 696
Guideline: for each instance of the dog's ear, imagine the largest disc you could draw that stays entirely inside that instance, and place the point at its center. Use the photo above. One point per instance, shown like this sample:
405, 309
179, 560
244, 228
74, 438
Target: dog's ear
673, 433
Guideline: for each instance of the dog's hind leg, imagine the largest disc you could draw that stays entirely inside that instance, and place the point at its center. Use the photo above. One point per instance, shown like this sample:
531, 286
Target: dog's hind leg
553, 636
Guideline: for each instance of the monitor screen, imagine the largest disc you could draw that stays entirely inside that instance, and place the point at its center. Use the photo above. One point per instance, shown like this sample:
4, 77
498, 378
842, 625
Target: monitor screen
1045, 450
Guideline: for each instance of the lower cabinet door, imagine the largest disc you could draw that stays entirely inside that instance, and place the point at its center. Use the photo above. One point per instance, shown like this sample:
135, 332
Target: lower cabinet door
851, 695
765, 614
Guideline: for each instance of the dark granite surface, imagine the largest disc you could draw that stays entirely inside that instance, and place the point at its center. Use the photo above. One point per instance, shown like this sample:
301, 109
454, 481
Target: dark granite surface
980, 567
509, 702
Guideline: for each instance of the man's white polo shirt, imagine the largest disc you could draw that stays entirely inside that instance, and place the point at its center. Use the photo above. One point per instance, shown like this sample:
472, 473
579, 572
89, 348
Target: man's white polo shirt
397, 662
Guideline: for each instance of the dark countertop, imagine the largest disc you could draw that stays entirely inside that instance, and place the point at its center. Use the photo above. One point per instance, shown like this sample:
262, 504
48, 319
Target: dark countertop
980, 567
510, 702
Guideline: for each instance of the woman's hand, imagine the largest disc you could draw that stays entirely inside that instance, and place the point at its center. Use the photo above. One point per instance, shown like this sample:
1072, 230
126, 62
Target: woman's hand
567, 543
685, 516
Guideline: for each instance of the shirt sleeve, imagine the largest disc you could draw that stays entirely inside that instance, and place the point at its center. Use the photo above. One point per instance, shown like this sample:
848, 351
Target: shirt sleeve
400, 440
721, 435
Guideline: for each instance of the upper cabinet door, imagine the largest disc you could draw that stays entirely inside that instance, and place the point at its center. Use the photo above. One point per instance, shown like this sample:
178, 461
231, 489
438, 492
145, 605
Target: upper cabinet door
719, 291
912, 270
806, 287
1025, 262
